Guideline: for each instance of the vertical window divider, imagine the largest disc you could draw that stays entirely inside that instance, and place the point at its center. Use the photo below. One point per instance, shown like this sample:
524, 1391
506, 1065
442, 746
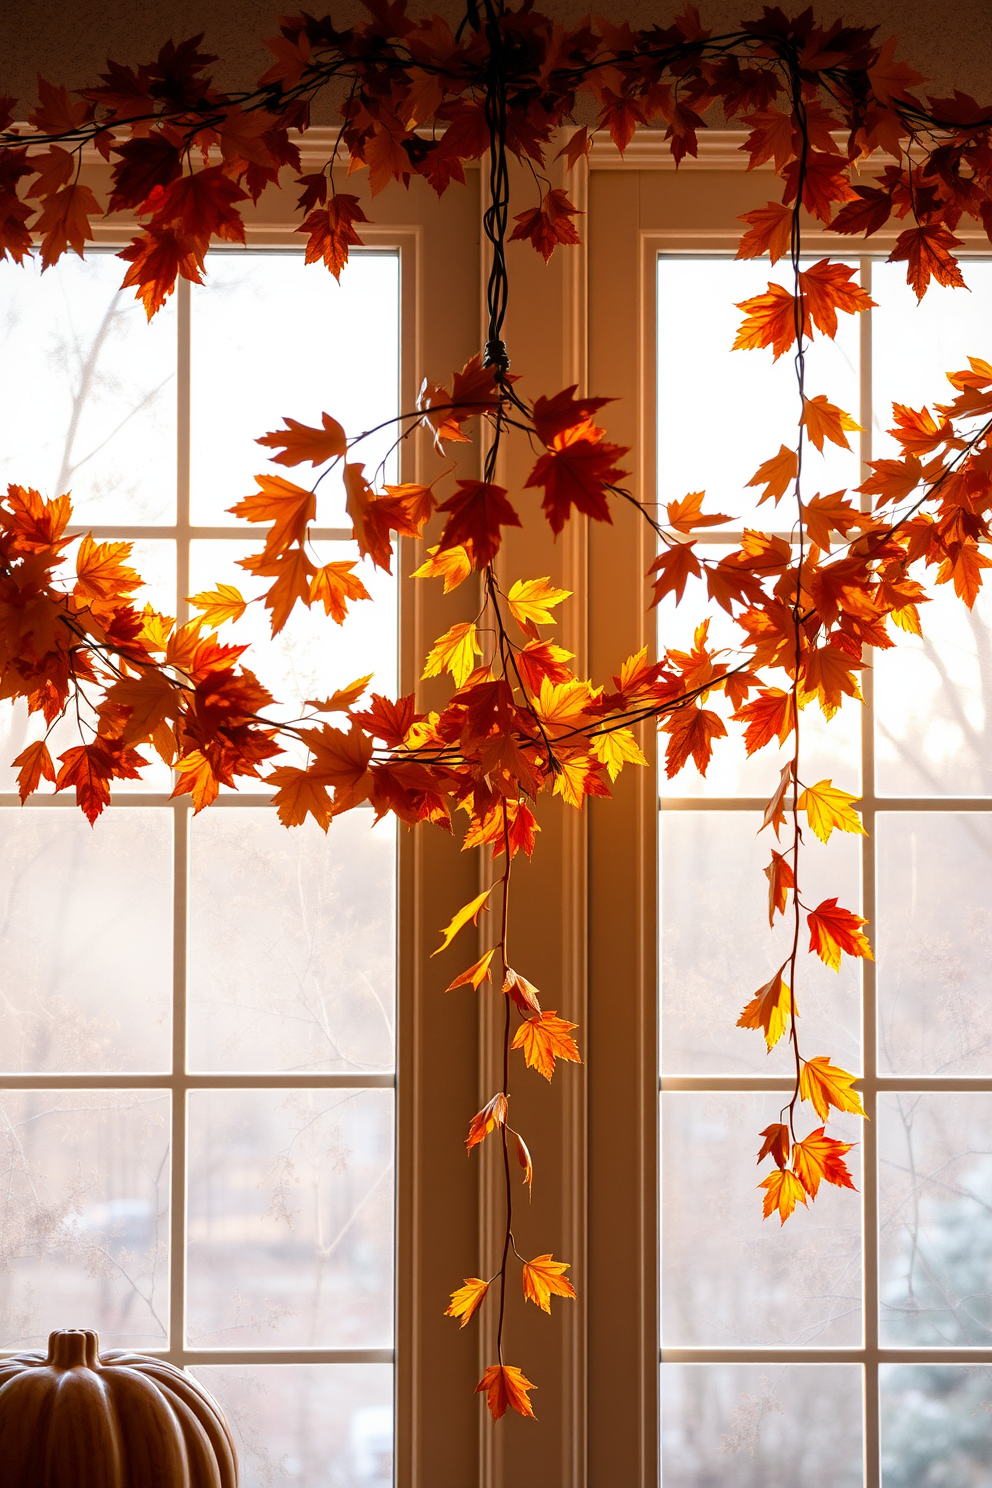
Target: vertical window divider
180, 864
869, 1181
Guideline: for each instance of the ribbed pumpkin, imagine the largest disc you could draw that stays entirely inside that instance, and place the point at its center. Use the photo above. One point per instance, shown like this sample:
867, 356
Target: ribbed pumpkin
76, 1419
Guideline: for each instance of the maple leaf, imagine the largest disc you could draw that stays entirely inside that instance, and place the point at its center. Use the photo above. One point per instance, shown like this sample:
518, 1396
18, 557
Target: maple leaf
524, 1159
692, 731
33, 764
768, 716
783, 1192
889, 79
65, 221
826, 1085
522, 992
775, 810
454, 652
770, 231
927, 254
544, 1040
219, 605
617, 748
332, 232
298, 796
453, 566
467, 912
824, 182
140, 704
817, 1158
549, 224
833, 929
826, 288
824, 515
675, 566
478, 512
825, 420
157, 258
475, 975
827, 808
370, 523
335, 583
864, 216
90, 769
780, 880
340, 759
288, 507
687, 514
776, 1143
892, 480
56, 113
543, 1278
553, 416
576, 472
492, 1115
100, 570
531, 602
776, 474
342, 698
466, 1301
299, 442
293, 573
770, 1009
542, 661
504, 1385
770, 320
771, 136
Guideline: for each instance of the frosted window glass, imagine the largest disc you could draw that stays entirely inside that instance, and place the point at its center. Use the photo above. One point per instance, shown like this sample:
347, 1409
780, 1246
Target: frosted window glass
88, 390
292, 943
85, 940
290, 1218
728, 1277
936, 1425
761, 1425
272, 336
717, 949
84, 1216
319, 1425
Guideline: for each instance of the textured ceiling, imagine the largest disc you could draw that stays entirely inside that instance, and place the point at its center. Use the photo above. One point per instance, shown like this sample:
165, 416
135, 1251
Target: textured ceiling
68, 40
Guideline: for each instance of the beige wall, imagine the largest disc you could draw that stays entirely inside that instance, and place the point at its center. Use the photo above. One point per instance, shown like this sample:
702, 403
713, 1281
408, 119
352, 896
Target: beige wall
68, 40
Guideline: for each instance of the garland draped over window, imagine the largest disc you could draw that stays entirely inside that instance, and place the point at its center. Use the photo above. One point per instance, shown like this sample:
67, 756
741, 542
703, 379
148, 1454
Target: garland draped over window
851, 143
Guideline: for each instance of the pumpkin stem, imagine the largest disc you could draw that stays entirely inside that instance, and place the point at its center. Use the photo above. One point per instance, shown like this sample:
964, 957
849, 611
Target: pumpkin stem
72, 1348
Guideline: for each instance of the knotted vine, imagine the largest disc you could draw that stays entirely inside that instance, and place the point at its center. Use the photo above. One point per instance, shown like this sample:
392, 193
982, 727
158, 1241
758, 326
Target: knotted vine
836, 117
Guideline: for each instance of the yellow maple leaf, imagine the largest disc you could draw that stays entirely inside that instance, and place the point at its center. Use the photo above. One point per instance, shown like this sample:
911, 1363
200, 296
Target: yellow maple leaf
470, 911
826, 1085
783, 1192
770, 1009
454, 652
544, 1278
531, 602
828, 808
220, 604
616, 749
467, 1299
453, 566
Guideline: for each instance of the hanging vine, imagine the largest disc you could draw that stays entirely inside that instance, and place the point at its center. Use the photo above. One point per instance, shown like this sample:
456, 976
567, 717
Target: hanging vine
852, 144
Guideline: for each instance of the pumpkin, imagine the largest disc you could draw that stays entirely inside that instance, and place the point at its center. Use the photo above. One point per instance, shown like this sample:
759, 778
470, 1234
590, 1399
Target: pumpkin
79, 1419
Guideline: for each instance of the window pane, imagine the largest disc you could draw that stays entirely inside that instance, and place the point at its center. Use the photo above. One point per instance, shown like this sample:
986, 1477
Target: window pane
272, 336
319, 1425
85, 940
290, 1218
936, 1425
729, 1278
84, 1217
717, 948
761, 1426
106, 426
292, 943
935, 1209
751, 402
934, 942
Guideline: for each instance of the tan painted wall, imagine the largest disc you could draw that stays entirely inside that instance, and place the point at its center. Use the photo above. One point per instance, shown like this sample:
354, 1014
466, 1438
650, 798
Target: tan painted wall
68, 40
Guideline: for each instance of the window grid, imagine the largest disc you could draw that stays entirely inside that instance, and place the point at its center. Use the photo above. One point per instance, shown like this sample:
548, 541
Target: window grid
872, 1354
179, 1081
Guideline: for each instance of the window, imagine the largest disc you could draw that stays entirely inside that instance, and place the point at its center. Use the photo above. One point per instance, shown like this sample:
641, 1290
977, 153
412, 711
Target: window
198, 1015
809, 1352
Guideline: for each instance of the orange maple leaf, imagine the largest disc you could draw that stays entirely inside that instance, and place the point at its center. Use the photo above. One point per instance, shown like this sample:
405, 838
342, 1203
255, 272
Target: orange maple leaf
780, 880
333, 585
770, 1009
549, 224
475, 975
289, 508
825, 420
776, 1143
523, 993
504, 1385
466, 1301
826, 1085
478, 512
927, 253
576, 471
776, 475
332, 232
492, 1115
545, 1039
299, 795
819, 1158
833, 929
769, 231
524, 1159
770, 320
299, 442
687, 514
783, 1192
544, 1278
33, 764
692, 731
